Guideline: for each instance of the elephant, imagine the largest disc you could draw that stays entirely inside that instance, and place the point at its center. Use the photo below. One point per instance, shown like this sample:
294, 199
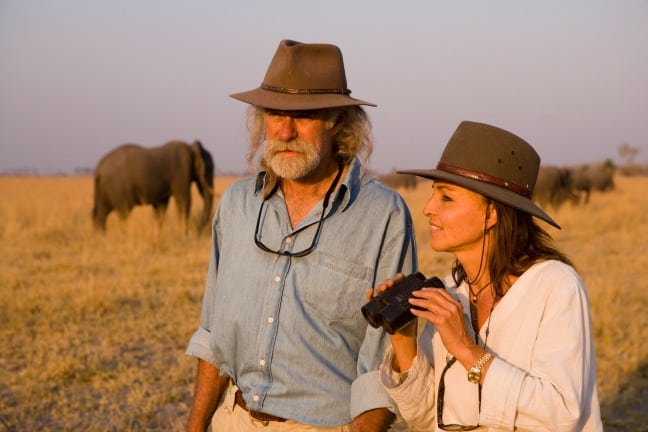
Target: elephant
602, 178
395, 180
582, 181
554, 187
132, 175
588, 178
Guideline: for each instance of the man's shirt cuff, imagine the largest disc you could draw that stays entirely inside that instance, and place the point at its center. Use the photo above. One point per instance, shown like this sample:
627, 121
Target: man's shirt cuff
367, 393
199, 346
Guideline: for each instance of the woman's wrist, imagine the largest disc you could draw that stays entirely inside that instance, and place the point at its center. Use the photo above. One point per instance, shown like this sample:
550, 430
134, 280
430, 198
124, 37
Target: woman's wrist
470, 355
405, 350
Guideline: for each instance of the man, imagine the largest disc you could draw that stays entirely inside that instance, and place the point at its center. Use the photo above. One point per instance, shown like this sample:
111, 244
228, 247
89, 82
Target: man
282, 344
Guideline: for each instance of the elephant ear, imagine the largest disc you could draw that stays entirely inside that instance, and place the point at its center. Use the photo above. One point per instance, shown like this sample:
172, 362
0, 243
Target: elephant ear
203, 167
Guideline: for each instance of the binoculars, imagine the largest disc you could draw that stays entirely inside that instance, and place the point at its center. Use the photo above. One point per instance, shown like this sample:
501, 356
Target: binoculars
391, 309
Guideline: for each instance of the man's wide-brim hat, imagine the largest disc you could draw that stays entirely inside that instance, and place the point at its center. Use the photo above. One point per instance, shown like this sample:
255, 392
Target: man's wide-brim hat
492, 162
303, 76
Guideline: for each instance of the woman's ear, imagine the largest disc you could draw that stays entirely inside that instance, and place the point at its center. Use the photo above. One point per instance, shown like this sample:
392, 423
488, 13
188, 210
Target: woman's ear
491, 215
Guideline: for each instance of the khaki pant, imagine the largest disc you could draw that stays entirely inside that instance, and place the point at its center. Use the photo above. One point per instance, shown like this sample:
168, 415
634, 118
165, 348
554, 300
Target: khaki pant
230, 417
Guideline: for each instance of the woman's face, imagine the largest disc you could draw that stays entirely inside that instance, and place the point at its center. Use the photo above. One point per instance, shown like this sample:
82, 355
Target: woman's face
457, 218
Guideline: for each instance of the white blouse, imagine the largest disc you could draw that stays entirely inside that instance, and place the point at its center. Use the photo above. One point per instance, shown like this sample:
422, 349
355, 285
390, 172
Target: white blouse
542, 377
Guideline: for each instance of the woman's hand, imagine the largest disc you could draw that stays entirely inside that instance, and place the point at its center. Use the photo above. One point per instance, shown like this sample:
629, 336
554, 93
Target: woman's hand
439, 308
404, 340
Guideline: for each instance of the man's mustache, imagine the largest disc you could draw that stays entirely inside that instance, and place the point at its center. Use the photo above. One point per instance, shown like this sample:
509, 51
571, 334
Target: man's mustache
276, 145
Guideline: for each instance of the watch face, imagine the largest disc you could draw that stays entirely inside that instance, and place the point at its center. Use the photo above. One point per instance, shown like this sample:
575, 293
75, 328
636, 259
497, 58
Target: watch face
474, 376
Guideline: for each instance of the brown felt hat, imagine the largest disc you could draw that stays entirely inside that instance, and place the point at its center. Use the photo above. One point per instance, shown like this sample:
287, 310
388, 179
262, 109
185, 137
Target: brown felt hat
303, 76
492, 162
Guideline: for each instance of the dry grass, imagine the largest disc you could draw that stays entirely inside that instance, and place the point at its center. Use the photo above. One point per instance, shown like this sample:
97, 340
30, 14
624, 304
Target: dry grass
93, 327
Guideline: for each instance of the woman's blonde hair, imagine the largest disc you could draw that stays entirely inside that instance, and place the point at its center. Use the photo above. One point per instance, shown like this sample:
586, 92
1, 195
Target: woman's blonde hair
355, 138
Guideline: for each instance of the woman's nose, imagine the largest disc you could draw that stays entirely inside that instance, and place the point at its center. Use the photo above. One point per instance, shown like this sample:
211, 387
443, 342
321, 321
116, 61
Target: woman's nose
428, 209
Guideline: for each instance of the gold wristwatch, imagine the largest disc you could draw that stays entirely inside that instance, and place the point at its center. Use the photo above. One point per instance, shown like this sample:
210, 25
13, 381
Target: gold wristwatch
474, 374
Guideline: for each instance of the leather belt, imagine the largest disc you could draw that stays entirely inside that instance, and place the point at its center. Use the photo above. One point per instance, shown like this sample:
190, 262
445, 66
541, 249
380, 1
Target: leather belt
256, 415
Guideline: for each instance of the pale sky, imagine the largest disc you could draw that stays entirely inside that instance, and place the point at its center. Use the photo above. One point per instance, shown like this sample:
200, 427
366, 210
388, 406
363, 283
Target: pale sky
79, 77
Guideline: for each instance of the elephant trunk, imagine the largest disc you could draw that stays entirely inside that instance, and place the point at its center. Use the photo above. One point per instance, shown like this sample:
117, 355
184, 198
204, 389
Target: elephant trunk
208, 198
204, 171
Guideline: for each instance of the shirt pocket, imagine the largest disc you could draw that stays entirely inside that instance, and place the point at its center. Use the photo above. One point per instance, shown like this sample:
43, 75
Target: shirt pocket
340, 291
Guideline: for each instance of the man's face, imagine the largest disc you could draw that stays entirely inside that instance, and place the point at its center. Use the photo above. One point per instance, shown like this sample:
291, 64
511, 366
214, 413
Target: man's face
297, 141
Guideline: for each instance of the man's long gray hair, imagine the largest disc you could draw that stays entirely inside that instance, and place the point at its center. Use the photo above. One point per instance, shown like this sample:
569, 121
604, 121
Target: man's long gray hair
355, 138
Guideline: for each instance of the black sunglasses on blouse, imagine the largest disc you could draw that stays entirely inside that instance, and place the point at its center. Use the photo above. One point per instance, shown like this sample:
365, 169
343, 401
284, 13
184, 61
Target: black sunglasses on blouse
440, 396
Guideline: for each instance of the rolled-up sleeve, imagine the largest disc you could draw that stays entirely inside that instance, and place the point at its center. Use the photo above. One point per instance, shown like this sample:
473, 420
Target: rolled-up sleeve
368, 393
503, 387
199, 347
415, 396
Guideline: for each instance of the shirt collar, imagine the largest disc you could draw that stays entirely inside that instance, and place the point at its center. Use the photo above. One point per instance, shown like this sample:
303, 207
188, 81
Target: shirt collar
350, 185
260, 181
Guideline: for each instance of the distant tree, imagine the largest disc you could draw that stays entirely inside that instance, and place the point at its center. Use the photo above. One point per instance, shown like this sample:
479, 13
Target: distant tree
608, 165
83, 171
628, 153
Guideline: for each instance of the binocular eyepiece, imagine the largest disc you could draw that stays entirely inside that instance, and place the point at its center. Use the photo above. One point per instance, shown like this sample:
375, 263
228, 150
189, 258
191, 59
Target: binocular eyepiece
391, 309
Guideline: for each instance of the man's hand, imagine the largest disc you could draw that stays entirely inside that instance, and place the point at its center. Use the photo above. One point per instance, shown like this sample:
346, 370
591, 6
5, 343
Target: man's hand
375, 420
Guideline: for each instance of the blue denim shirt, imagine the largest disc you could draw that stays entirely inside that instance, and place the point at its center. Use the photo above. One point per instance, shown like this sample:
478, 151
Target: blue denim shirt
289, 330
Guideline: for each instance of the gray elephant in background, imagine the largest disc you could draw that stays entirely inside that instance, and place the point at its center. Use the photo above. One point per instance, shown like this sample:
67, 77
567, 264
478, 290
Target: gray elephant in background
589, 178
132, 175
554, 187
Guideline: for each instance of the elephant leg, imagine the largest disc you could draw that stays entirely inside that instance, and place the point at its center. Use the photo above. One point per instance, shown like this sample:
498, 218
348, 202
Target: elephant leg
160, 209
183, 204
205, 217
99, 215
123, 210
101, 208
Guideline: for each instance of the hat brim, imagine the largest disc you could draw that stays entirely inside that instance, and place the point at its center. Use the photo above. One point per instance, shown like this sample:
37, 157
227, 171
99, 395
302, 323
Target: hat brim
487, 189
290, 101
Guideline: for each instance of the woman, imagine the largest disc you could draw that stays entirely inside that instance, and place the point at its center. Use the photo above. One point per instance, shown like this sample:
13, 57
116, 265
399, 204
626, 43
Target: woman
508, 344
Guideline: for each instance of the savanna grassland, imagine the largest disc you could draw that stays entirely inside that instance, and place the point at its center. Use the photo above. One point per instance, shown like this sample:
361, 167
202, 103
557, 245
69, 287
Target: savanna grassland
93, 327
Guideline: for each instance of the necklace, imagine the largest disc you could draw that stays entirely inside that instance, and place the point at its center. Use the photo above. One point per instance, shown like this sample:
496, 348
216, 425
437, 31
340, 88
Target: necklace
475, 323
474, 295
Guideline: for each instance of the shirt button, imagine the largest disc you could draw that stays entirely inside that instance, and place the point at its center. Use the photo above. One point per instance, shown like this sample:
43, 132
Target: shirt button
262, 362
289, 240
270, 320
255, 398
277, 278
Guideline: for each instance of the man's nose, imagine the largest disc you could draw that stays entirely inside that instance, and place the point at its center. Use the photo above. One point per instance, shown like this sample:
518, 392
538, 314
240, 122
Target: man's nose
287, 129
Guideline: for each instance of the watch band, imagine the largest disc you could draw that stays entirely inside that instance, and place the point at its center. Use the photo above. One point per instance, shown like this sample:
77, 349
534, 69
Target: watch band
483, 360
474, 374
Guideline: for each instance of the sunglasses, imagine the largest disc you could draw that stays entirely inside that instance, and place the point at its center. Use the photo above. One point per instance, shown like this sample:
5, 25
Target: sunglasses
440, 396
302, 253
313, 244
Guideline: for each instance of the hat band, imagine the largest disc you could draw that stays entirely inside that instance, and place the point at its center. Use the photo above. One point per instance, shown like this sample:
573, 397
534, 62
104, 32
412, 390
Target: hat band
305, 91
484, 178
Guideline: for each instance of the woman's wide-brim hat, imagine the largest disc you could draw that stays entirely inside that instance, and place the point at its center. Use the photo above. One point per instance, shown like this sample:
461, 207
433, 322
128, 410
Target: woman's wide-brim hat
303, 76
492, 162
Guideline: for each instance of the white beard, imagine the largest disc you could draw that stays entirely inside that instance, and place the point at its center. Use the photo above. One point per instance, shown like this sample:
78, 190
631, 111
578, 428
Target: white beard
291, 168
